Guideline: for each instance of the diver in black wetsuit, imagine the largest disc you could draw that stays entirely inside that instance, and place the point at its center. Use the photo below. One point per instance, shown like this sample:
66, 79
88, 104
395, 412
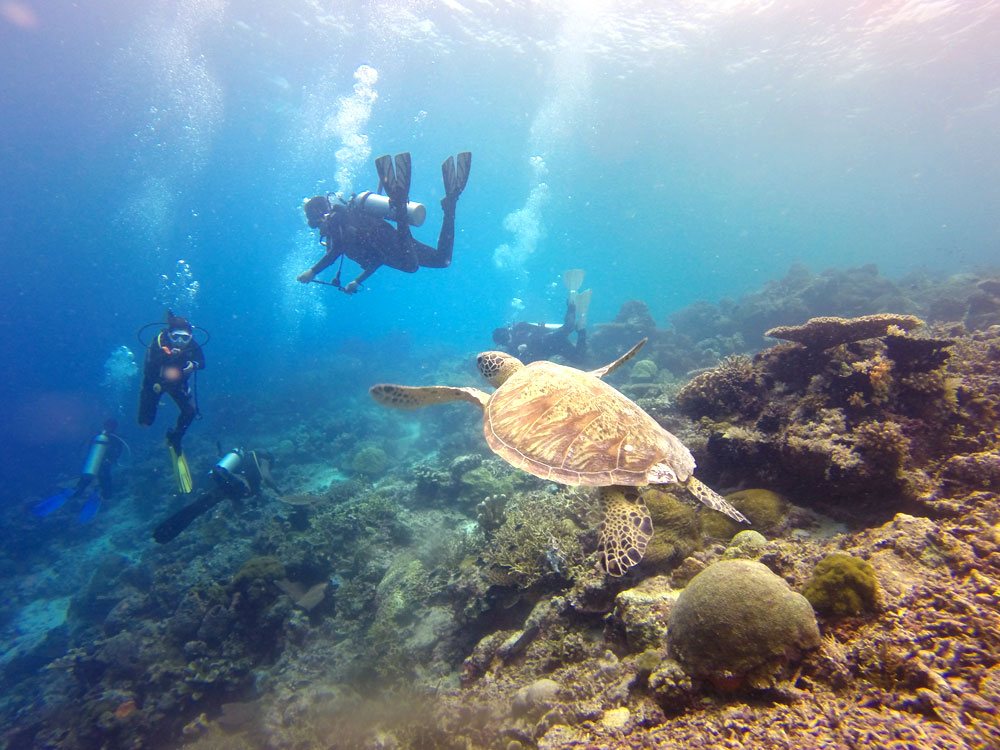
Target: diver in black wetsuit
354, 232
238, 475
172, 357
530, 342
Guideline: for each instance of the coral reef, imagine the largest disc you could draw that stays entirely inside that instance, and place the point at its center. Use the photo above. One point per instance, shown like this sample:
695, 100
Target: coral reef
370, 460
734, 388
873, 423
445, 600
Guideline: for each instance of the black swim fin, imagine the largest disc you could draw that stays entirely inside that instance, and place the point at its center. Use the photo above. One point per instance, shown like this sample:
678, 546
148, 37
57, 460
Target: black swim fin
183, 518
386, 175
396, 181
399, 190
455, 171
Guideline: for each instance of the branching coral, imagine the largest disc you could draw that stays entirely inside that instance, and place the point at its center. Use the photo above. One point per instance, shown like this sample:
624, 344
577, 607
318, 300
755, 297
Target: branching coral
539, 536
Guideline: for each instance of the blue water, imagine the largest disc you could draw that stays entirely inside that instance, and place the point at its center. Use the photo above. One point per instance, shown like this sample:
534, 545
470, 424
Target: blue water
157, 154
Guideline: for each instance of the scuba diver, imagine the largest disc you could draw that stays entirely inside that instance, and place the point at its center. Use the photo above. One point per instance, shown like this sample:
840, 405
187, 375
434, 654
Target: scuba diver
238, 475
531, 342
172, 357
359, 228
105, 450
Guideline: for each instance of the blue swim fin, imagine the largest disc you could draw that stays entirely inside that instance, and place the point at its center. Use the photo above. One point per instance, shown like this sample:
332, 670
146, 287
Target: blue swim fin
51, 504
90, 508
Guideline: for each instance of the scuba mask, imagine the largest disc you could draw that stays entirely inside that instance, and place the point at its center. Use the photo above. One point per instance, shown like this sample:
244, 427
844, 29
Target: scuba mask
180, 337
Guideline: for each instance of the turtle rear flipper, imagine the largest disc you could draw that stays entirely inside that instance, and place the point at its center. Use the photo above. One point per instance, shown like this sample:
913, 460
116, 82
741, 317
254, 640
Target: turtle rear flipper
625, 529
415, 397
705, 494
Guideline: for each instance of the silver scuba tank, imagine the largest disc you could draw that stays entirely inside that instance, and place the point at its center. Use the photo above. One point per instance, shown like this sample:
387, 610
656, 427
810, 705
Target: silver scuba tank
227, 466
95, 457
377, 205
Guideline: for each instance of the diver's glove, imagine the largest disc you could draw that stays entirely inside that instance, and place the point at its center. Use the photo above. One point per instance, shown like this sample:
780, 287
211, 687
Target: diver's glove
189, 368
351, 288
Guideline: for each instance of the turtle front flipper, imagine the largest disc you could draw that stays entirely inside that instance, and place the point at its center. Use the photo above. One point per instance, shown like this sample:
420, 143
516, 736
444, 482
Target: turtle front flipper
414, 397
625, 529
705, 494
600, 372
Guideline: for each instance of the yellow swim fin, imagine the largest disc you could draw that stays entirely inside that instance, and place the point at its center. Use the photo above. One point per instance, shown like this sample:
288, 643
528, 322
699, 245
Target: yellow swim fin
182, 472
572, 280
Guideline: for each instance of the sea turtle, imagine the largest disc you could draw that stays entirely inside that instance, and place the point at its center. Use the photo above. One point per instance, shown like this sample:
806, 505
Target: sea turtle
570, 427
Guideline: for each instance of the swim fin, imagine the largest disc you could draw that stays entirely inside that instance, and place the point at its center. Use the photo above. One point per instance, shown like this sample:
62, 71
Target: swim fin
455, 172
50, 505
90, 508
170, 528
399, 189
582, 305
396, 181
182, 473
572, 280
386, 176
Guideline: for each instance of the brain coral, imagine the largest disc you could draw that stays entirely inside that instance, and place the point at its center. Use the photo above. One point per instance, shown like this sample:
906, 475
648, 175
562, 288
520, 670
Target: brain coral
737, 623
842, 585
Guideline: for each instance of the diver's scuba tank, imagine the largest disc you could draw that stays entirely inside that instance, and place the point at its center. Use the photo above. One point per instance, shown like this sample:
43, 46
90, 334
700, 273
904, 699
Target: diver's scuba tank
377, 205
98, 449
226, 467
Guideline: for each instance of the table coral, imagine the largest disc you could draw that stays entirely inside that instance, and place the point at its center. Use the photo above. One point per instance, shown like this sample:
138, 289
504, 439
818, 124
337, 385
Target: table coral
827, 332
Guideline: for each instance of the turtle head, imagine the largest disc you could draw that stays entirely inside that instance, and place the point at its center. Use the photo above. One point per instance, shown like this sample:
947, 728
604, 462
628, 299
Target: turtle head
496, 367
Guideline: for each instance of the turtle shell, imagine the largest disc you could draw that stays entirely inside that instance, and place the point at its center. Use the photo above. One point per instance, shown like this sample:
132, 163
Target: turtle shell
568, 426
